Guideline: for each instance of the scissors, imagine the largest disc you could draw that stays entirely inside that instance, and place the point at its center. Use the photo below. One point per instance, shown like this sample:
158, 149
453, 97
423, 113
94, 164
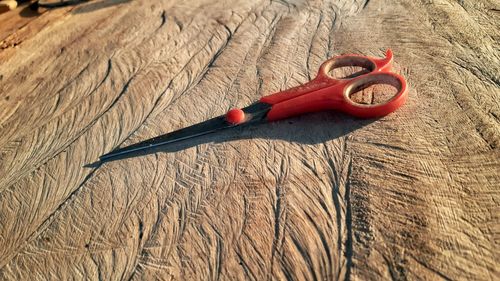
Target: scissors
322, 93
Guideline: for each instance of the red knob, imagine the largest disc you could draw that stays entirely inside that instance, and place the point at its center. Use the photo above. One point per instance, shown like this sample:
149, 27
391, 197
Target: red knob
235, 116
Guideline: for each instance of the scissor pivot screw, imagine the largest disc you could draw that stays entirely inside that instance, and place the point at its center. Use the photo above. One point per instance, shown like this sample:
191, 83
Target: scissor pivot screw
235, 116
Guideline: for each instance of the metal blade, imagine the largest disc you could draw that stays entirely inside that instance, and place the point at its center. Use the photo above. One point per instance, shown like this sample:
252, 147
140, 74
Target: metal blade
253, 114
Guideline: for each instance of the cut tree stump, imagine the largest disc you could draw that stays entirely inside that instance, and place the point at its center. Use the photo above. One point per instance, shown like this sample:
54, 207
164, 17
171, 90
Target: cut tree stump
414, 195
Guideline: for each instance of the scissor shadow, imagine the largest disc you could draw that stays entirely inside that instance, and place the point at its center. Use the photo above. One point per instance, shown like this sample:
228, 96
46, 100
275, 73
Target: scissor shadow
84, 6
97, 5
307, 129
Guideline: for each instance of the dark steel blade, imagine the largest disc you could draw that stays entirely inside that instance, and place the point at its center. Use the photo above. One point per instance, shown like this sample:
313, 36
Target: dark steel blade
254, 113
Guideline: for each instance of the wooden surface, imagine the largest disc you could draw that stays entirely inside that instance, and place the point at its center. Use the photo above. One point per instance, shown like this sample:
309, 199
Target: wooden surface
414, 195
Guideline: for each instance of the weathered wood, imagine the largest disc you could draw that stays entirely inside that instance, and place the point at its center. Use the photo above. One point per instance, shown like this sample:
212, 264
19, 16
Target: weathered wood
413, 195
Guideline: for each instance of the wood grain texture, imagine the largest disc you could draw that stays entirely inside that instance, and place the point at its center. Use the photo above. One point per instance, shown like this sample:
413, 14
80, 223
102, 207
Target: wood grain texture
413, 195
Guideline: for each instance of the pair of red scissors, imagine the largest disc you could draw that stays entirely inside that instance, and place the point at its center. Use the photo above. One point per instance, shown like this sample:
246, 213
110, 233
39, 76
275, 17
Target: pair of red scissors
322, 93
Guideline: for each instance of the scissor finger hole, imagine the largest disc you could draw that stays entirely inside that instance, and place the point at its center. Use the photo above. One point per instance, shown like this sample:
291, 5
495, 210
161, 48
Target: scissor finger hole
374, 90
348, 67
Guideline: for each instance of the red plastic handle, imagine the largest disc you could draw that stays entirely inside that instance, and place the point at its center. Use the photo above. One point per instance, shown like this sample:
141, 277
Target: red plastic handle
374, 110
327, 93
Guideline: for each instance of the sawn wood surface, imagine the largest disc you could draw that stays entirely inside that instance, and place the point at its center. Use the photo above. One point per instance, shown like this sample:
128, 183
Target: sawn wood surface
414, 195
